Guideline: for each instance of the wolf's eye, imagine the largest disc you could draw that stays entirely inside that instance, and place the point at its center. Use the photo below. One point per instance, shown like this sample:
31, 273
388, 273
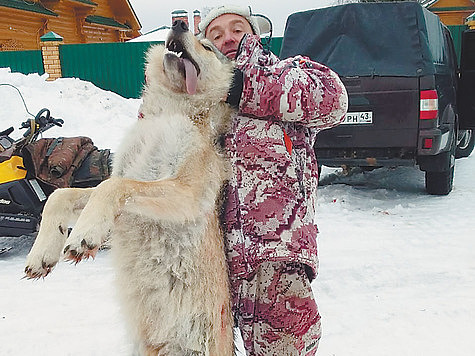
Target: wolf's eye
208, 48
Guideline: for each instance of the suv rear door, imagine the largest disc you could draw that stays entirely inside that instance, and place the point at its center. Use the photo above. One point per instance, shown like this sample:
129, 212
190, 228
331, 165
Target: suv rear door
381, 127
466, 93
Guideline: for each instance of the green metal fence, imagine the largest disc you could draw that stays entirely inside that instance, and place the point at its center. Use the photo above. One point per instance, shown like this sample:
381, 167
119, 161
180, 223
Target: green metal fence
275, 45
118, 67
25, 62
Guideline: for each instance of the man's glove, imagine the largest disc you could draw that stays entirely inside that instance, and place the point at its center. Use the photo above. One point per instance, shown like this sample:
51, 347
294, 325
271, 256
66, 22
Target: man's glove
235, 90
251, 53
241, 44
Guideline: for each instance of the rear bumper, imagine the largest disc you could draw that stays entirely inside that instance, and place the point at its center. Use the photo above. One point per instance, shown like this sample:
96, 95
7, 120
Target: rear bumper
440, 138
366, 157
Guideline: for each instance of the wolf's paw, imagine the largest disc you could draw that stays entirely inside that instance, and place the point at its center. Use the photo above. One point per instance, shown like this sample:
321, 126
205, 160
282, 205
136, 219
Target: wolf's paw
35, 272
81, 247
45, 253
39, 265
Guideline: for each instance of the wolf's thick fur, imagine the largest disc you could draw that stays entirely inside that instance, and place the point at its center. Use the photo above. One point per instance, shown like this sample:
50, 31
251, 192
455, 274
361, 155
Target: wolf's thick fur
159, 208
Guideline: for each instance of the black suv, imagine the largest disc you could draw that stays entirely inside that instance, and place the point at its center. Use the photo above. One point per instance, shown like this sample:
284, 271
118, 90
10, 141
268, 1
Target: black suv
399, 66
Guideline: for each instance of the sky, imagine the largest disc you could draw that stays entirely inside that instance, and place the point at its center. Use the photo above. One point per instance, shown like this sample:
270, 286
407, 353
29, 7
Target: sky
153, 13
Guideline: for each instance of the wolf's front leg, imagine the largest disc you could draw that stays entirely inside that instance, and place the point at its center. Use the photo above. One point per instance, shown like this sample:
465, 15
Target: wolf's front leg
96, 220
61, 209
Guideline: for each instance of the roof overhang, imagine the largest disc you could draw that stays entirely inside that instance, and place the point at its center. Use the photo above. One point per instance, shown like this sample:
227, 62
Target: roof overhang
31, 8
82, 3
107, 22
124, 10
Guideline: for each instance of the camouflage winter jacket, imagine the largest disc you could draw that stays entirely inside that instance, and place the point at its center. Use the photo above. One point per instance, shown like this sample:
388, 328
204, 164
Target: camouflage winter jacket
271, 198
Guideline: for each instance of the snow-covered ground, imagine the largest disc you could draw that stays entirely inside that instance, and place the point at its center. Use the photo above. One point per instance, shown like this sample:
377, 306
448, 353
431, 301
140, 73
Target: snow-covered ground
397, 273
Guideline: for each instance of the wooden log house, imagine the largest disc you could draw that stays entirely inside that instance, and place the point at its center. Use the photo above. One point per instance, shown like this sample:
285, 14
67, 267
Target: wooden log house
451, 12
23, 22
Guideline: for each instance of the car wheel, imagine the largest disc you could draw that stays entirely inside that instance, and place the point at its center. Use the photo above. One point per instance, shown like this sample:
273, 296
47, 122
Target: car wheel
466, 145
441, 183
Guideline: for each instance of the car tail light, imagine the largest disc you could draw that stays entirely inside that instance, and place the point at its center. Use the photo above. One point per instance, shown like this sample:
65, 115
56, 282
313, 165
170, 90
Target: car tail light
427, 143
429, 105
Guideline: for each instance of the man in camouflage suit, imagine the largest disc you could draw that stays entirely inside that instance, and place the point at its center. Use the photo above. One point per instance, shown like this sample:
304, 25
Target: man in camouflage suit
271, 198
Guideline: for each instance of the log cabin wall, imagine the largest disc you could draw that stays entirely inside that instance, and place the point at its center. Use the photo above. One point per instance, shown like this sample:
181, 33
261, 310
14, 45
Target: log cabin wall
19, 30
77, 21
451, 12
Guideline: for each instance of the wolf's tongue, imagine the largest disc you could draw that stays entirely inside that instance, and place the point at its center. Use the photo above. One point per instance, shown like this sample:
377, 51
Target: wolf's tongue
191, 76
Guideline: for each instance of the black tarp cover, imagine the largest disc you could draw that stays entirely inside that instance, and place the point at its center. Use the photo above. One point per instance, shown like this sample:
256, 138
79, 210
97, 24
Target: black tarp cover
366, 39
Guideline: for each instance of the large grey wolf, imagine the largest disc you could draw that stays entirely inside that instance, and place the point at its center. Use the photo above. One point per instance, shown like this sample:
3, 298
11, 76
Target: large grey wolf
159, 207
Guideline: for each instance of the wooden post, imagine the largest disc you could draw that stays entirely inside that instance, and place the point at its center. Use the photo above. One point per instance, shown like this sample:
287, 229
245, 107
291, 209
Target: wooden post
50, 43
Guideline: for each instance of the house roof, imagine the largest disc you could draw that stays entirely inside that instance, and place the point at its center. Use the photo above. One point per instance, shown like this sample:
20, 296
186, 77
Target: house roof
158, 29
427, 3
125, 13
27, 6
121, 17
157, 35
133, 13
105, 21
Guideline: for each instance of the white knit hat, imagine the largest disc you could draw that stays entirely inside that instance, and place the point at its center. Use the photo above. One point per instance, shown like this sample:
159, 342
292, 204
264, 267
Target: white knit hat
260, 24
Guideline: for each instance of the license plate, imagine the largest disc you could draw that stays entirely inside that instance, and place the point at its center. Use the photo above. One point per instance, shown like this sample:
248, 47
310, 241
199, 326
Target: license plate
358, 118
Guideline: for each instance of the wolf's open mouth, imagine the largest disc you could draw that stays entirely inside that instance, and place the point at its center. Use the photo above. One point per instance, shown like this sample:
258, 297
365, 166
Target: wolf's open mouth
191, 68
176, 46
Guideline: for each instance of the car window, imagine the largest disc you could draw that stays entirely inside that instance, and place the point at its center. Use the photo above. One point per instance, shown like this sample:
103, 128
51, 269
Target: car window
450, 56
436, 38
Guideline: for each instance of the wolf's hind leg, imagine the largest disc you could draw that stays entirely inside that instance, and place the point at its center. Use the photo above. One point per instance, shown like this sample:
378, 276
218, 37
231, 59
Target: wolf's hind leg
61, 209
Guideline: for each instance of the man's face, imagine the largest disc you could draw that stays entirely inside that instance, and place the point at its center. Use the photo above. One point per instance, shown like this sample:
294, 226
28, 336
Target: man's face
226, 31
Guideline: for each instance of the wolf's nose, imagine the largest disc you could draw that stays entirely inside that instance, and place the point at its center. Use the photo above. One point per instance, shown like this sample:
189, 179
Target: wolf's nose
179, 26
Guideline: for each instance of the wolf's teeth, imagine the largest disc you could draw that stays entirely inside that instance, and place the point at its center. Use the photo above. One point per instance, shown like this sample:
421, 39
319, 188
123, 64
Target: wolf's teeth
178, 54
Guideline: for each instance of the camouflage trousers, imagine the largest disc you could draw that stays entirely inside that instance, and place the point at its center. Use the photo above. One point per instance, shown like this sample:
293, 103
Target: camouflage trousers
276, 311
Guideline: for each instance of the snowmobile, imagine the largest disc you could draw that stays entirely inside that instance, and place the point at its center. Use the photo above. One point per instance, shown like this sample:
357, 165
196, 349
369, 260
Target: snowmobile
21, 196
31, 169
